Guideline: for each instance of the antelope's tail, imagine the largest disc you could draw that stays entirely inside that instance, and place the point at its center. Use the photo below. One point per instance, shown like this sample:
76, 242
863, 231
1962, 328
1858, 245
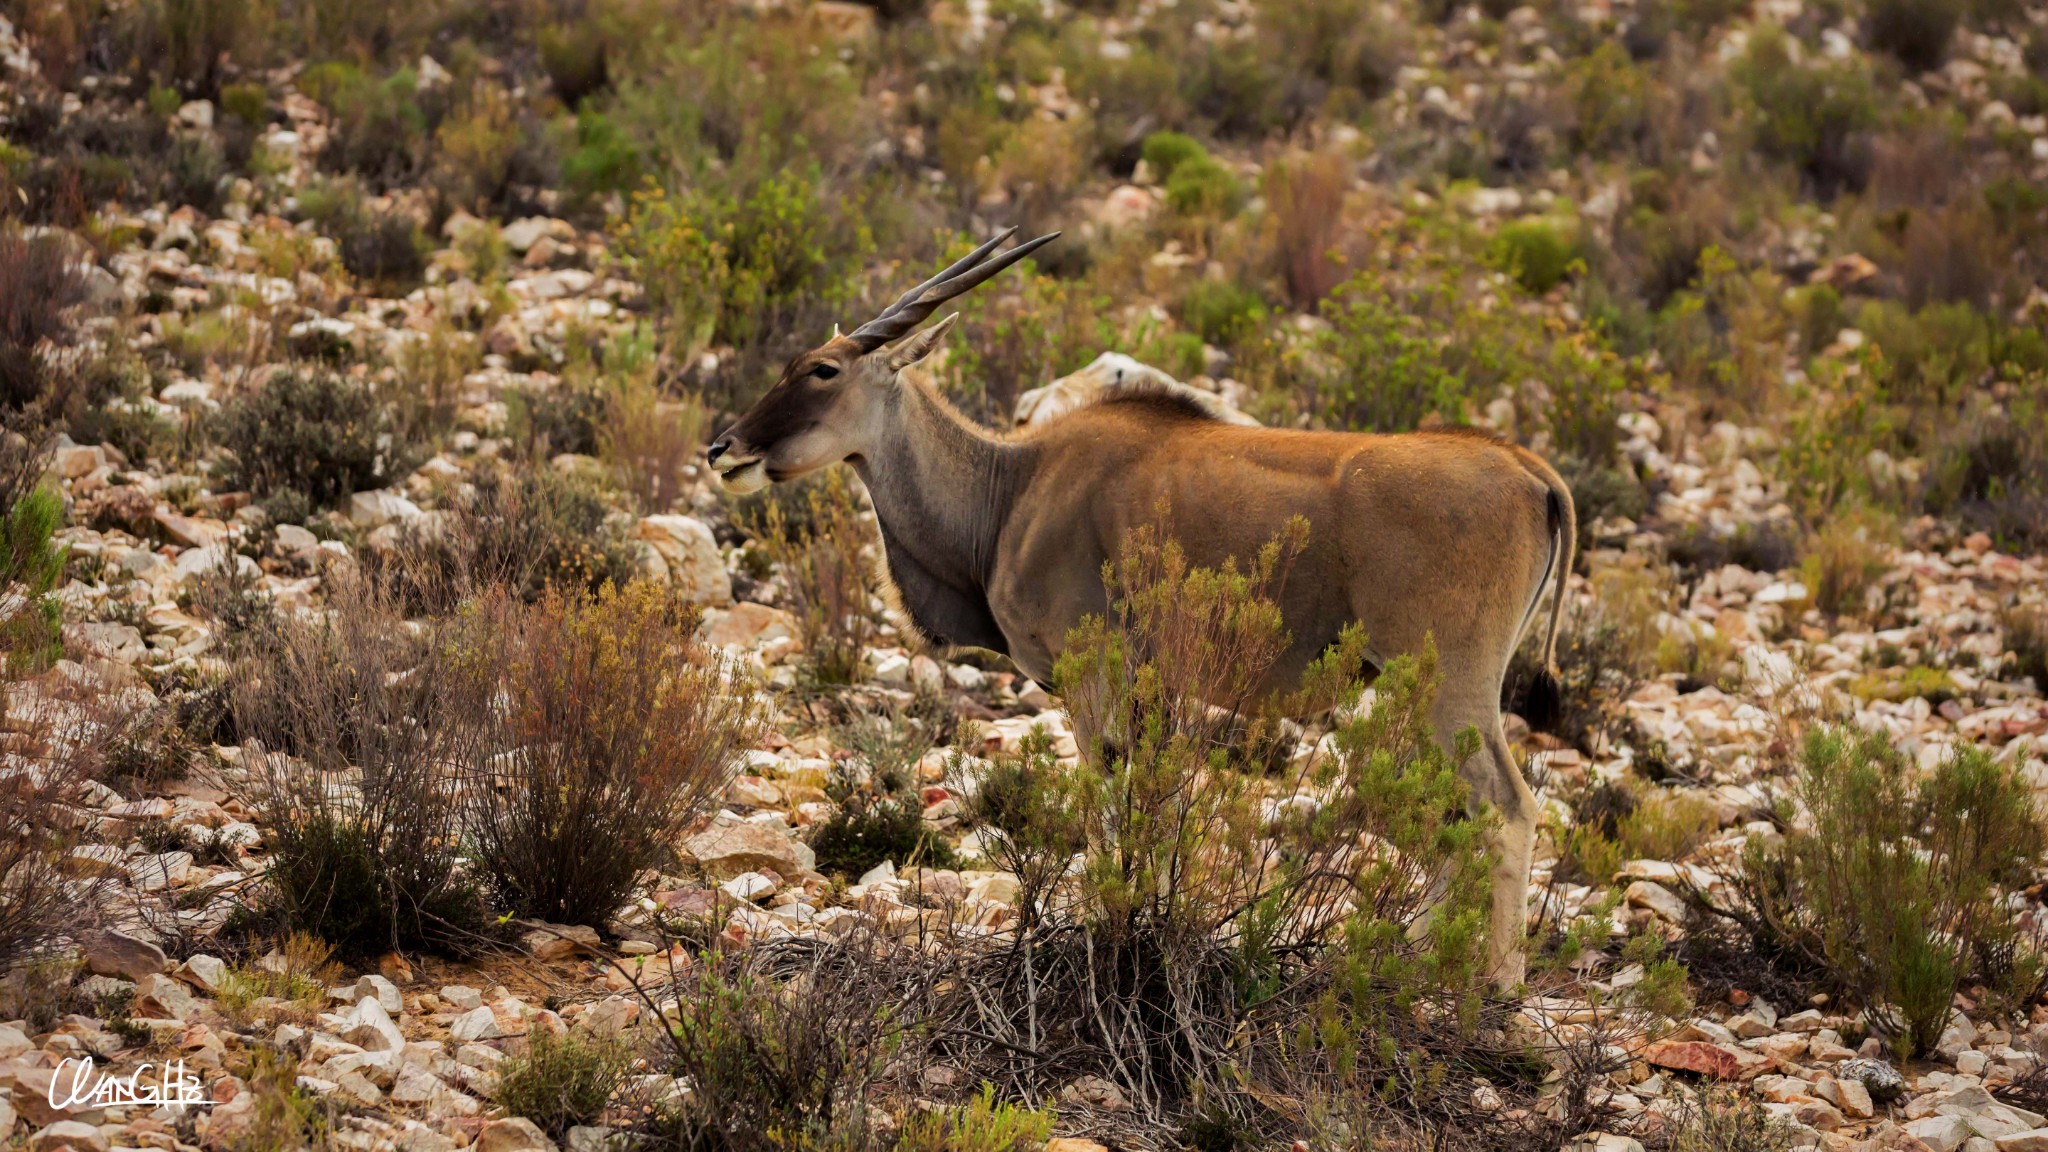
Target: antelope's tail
1545, 699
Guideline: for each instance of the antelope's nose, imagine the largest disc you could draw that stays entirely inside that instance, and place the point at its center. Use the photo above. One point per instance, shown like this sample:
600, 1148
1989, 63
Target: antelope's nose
717, 449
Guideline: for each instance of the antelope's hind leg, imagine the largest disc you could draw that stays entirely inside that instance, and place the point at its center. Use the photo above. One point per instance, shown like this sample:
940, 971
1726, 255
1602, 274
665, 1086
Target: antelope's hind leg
1495, 783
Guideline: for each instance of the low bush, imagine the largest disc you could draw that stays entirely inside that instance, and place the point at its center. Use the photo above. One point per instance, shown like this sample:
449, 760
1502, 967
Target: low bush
1166, 151
348, 723
286, 1114
527, 530
818, 540
1989, 472
867, 831
1213, 950
41, 902
1728, 1120
1811, 114
308, 433
382, 247
1843, 563
1222, 312
1915, 31
2026, 637
983, 1124
1203, 187
561, 1082
379, 132
1897, 887
1615, 825
1305, 199
30, 565
780, 1048
1534, 252
39, 282
290, 983
602, 728
742, 267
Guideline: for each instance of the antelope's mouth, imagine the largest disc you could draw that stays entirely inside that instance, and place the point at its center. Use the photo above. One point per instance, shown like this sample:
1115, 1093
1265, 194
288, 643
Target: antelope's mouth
740, 477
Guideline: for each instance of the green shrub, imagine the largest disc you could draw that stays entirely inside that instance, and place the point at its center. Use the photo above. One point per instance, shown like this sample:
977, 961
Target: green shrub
1534, 253
1222, 312
983, 1124
383, 247
249, 103
475, 148
30, 565
1165, 152
602, 158
866, 832
1729, 1120
574, 56
561, 1082
2026, 637
1201, 186
526, 530
1393, 372
1610, 99
1194, 916
1897, 886
1612, 830
1808, 113
775, 1066
379, 132
735, 268
308, 432
1843, 564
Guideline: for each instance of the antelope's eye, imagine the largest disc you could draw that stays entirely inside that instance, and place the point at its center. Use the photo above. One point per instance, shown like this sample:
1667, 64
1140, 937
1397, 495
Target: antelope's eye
825, 371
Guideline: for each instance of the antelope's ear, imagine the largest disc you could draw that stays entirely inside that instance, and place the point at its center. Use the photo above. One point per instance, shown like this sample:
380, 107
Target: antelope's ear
919, 345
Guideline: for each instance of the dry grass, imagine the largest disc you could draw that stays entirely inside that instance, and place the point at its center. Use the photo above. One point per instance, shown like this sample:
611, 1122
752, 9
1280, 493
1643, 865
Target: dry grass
648, 440
1306, 197
348, 724
1844, 561
602, 729
38, 283
820, 543
40, 902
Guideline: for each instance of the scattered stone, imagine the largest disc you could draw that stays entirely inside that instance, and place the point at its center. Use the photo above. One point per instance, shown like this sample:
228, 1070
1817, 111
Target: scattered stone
514, 1135
548, 942
1717, 1060
109, 953
1879, 1078
727, 851
476, 1024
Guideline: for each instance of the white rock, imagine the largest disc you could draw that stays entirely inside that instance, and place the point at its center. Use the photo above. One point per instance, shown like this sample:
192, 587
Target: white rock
476, 1024
1940, 1133
383, 991
690, 556
381, 506
368, 1025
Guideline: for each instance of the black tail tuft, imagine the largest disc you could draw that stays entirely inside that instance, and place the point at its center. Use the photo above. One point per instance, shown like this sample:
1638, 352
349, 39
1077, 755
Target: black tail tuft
1542, 703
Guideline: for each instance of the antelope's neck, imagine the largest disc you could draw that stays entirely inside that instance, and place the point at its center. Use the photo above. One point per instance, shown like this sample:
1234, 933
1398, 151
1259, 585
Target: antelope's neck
942, 489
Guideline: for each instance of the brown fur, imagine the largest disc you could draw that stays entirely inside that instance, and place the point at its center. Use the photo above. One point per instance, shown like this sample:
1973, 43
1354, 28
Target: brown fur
998, 540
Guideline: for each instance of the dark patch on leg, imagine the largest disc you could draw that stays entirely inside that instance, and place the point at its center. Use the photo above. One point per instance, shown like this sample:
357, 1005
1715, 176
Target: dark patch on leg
1539, 700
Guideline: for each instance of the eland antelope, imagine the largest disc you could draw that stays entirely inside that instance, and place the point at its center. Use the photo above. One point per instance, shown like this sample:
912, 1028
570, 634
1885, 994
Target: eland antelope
997, 540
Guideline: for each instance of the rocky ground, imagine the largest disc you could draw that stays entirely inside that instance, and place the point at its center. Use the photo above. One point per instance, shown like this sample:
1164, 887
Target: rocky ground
410, 1051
